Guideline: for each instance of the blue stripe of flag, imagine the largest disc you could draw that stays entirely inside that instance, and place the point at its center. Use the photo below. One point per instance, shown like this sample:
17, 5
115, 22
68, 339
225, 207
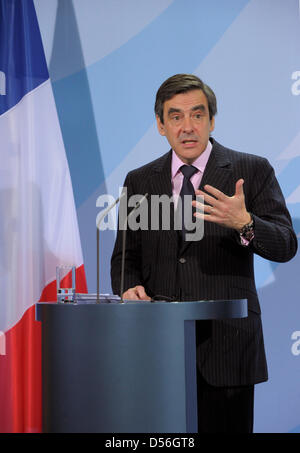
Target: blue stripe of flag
23, 65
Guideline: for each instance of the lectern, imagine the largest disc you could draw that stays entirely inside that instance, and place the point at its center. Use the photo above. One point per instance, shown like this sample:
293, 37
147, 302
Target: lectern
123, 367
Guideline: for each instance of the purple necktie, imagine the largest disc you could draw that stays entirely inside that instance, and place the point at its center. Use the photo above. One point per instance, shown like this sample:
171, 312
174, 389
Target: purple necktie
187, 189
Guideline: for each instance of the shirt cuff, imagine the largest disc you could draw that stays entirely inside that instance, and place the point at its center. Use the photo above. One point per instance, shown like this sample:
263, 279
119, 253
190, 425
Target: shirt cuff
245, 242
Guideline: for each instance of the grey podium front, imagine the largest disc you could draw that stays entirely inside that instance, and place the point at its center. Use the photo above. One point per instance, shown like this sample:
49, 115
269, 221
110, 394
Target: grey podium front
123, 367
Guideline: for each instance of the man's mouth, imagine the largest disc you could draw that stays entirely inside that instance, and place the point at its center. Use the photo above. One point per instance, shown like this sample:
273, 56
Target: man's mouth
188, 142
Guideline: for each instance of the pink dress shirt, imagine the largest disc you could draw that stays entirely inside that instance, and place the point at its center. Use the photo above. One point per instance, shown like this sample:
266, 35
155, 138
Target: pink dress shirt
177, 176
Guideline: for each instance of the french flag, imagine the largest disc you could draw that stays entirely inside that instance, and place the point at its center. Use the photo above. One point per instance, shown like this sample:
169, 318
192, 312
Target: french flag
38, 227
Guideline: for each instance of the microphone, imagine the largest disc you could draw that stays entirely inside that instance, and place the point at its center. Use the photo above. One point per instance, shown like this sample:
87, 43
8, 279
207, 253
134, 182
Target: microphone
101, 217
124, 243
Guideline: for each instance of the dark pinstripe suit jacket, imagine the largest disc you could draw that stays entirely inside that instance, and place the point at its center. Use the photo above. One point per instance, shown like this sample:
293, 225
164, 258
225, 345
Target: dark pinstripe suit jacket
229, 352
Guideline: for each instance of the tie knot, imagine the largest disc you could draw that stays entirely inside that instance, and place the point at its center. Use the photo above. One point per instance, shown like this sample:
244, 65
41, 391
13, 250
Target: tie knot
188, 171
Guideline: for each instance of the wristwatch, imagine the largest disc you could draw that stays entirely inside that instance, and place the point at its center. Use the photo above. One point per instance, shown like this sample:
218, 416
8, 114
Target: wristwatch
247, 232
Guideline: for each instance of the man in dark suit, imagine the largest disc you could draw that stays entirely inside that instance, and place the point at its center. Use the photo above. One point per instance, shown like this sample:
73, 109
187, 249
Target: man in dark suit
244, 212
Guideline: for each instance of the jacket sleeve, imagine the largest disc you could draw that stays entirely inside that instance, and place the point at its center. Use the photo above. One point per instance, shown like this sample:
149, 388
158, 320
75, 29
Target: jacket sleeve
274, 238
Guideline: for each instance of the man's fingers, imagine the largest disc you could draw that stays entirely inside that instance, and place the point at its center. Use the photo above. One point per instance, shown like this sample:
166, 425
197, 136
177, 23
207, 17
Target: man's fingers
130, 294
142, 293
136, 293
215, 192
208, 198
201, 207
239, 190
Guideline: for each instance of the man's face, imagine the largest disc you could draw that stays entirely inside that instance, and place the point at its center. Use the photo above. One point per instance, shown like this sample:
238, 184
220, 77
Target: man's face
186, 124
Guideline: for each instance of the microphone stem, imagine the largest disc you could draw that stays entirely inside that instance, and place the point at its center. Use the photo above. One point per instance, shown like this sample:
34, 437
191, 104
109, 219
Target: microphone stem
123, 262
98, 267
124, 244
104, 214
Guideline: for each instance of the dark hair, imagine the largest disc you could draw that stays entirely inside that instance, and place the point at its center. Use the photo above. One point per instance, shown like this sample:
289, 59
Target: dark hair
181, 83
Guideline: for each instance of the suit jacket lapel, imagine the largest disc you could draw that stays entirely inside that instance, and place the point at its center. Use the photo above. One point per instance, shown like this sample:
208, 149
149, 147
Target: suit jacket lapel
161, 184
161, 178
218, 168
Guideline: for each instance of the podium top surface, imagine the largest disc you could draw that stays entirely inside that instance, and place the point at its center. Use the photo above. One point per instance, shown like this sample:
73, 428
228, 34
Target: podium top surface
193, 310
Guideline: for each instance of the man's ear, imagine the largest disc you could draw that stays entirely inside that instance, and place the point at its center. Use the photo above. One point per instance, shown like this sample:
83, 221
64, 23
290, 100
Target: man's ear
160, 126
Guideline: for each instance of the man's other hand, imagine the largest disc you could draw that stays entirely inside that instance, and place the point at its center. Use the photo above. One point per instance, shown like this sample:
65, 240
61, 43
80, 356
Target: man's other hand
136, 293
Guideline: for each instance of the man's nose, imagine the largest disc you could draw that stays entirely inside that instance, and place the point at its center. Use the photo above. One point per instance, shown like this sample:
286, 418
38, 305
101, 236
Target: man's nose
187, 124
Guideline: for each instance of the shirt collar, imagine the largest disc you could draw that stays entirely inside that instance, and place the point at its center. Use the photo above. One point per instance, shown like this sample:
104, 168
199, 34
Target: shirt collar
199, 163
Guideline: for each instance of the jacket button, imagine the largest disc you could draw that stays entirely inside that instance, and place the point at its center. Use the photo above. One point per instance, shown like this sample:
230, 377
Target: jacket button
182, 260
